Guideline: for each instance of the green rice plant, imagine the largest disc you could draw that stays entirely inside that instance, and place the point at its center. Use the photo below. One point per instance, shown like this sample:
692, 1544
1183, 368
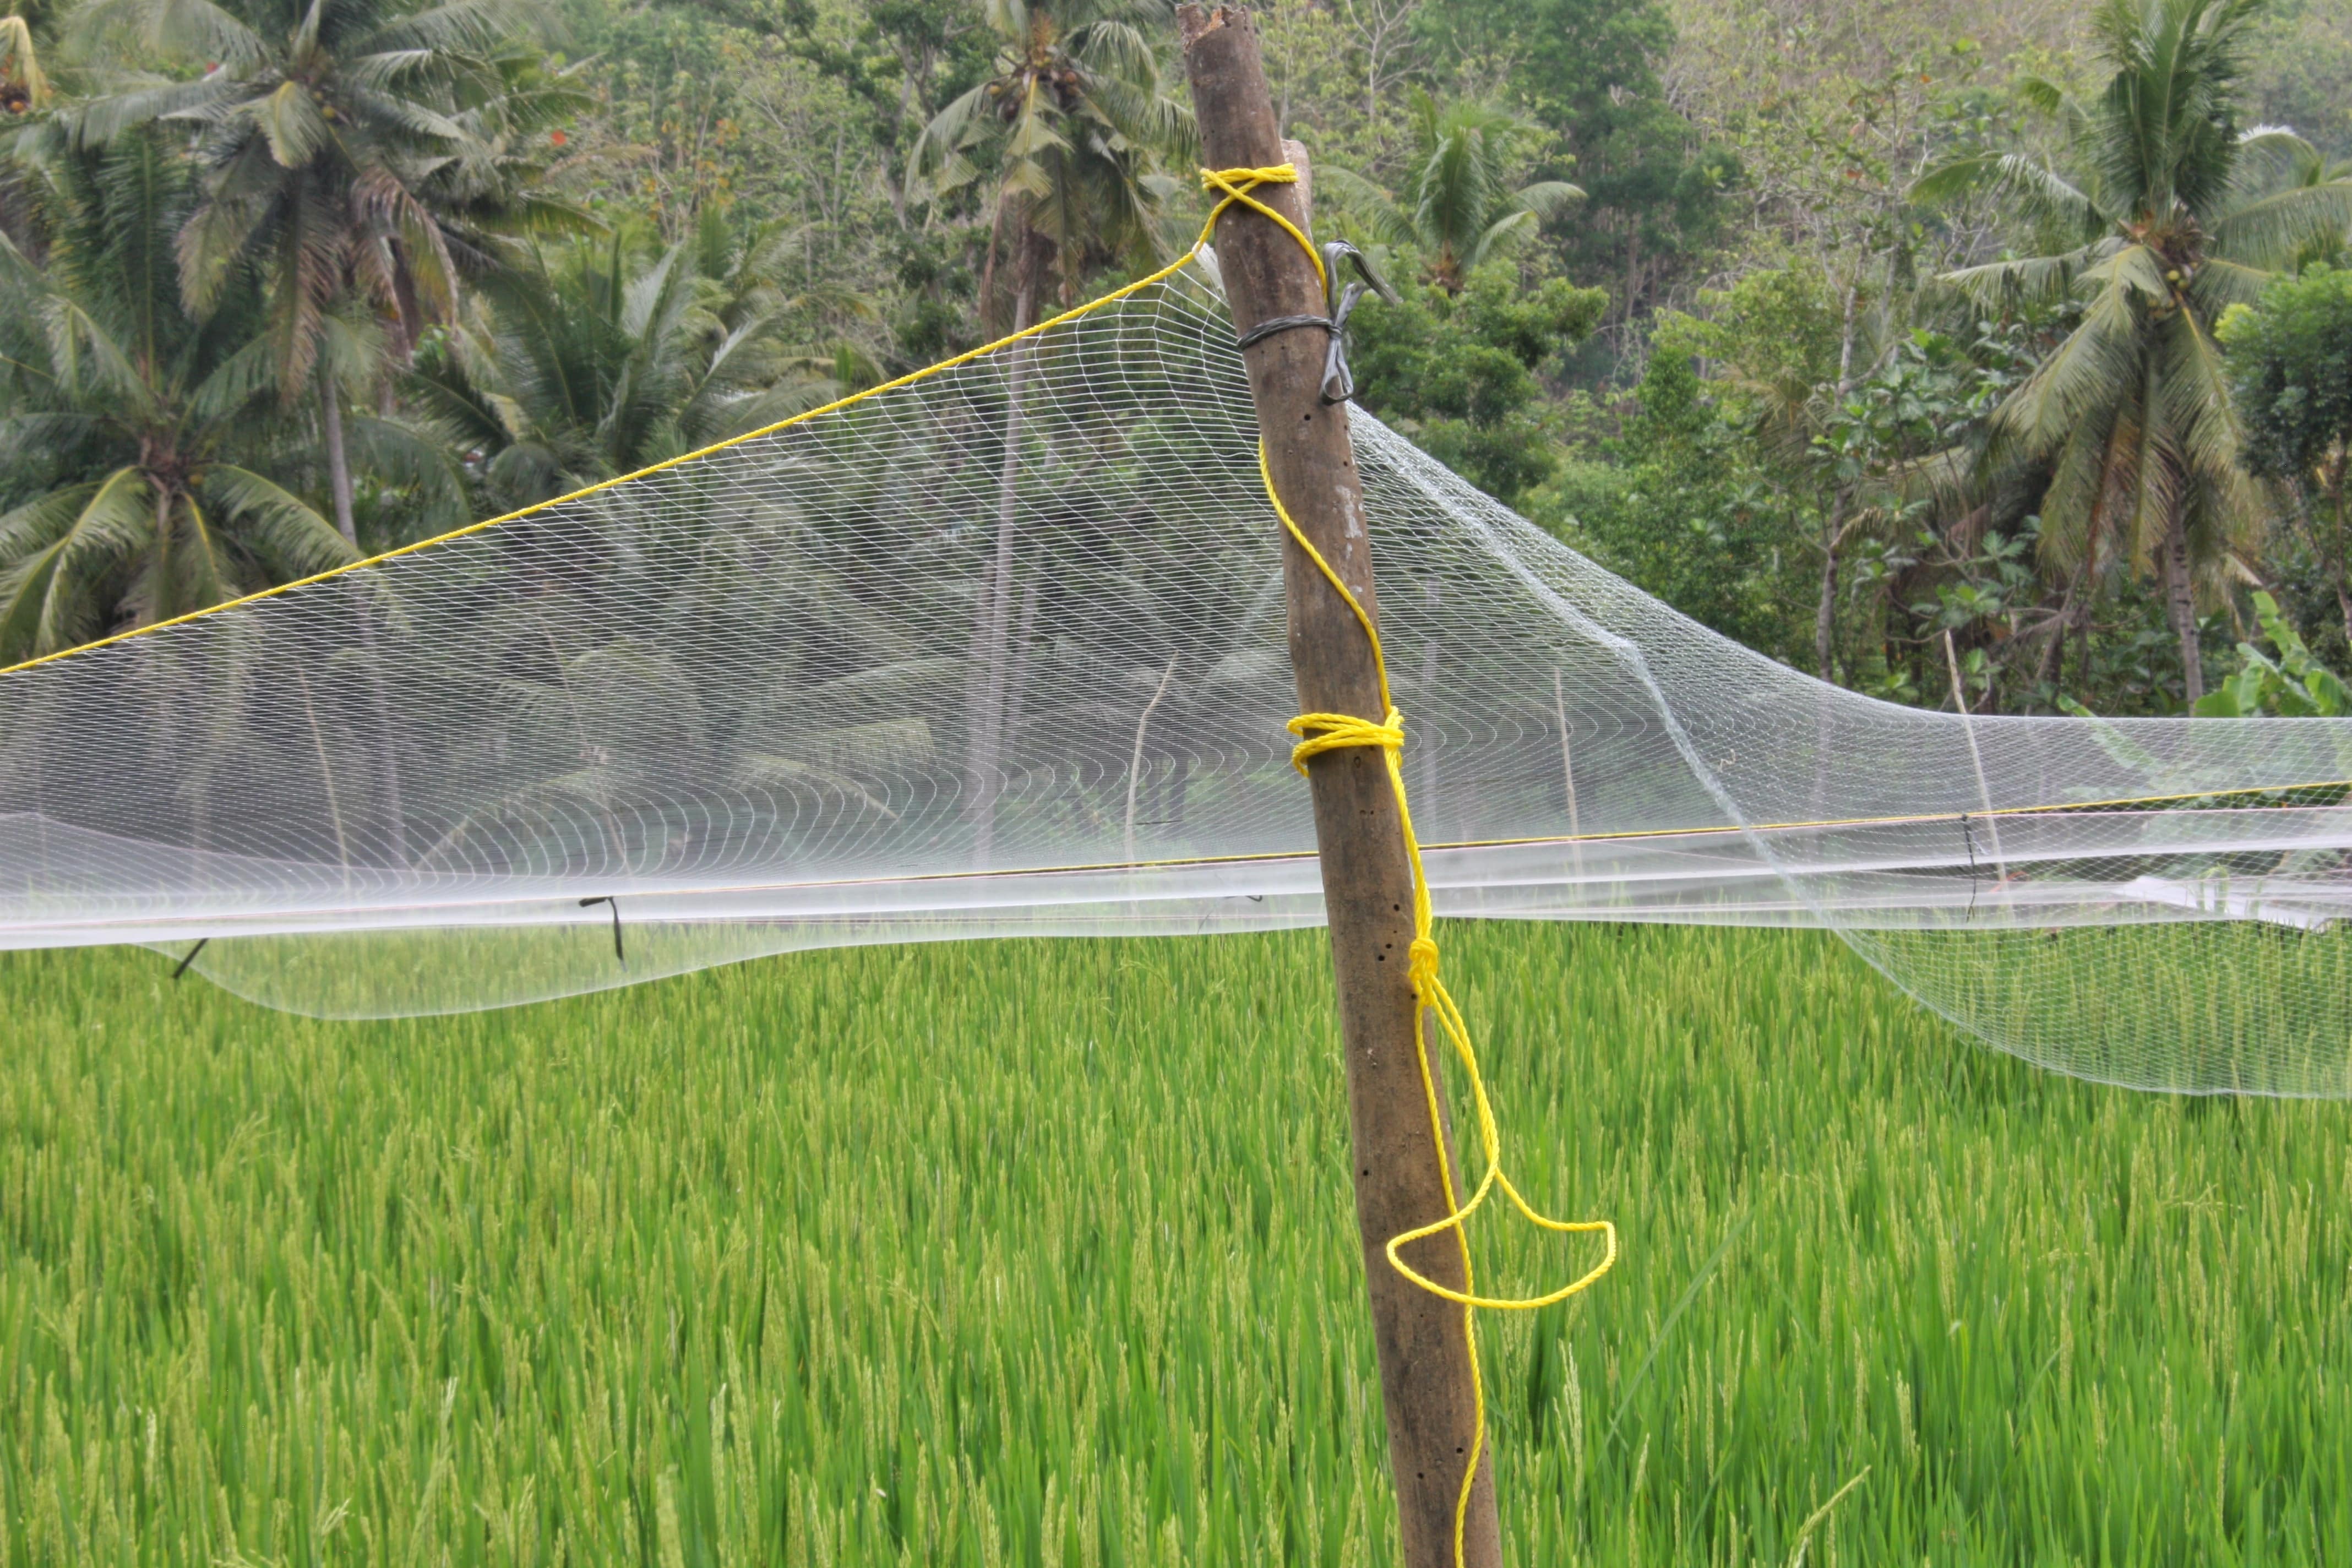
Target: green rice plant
1042, 1253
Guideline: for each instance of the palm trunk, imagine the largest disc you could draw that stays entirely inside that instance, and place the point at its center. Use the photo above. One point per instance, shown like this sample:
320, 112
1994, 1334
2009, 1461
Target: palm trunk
339, 468
395, 808
1834, 528
2180, 605
2334, 489
1825, 613
162, 609
2050, 668
984, 780
1135, 760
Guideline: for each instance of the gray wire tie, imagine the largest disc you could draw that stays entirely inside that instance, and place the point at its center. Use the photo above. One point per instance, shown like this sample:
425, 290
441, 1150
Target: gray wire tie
1336, 373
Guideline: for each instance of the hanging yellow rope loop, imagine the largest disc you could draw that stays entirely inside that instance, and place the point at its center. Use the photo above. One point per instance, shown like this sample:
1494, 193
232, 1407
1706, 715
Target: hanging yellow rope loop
1321, 732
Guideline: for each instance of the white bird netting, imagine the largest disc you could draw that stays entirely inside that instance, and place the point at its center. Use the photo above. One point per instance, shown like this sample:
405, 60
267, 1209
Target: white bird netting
1001, 652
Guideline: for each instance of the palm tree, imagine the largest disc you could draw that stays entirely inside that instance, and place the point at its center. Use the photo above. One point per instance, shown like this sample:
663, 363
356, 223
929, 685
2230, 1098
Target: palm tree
2161, 216
1458, 206
141, 436
608, 357
327, 129
1075, 120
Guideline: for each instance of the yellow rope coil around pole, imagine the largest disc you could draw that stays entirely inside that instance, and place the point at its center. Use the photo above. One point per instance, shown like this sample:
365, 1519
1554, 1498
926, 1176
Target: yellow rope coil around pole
1321, 732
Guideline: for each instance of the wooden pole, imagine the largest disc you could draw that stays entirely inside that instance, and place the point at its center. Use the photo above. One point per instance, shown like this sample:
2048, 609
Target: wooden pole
1424, 1359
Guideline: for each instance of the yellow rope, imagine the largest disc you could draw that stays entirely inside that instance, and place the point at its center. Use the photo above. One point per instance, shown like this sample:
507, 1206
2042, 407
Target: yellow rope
1321, 732
1236, 185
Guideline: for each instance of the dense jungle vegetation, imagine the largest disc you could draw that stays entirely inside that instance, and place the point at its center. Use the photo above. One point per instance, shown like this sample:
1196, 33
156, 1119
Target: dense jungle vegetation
1989, 352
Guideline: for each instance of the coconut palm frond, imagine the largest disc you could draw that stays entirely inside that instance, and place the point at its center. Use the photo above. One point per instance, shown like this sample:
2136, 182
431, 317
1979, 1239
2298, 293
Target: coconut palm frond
2270, 230
278, 525
2038, 191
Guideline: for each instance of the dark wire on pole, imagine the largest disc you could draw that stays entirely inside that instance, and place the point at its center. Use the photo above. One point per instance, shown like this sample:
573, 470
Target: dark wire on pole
615, 905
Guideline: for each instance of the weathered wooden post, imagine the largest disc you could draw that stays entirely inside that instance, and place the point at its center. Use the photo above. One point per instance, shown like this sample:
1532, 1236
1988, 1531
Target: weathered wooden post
1425, 1355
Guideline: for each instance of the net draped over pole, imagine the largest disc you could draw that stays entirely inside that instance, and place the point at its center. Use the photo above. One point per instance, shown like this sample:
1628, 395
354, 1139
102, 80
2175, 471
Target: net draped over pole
998, 650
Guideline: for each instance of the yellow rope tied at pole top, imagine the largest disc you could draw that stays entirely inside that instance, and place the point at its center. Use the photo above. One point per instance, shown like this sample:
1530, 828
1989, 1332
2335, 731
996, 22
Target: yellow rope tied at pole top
1237, 183
1321, 732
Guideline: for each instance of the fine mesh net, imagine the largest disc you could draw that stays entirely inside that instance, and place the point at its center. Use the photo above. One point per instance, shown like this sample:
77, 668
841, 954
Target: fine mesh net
1001, 652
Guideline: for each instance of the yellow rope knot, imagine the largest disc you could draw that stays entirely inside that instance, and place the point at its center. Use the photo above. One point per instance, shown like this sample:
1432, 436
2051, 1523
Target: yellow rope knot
1237, 184
1320, 732
1420, 968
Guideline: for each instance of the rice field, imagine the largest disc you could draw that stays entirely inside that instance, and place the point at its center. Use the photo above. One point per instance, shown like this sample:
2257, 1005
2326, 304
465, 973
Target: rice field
1041, 1253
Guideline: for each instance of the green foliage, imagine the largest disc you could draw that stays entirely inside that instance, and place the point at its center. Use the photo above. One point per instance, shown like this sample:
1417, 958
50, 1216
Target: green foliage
1043, 1251
1682, 510
2291, 372
602, 358
1588, 70
1458, 204
1066, 136
1455, 369
319, 138
2298, 65
2295, 685
2160, 225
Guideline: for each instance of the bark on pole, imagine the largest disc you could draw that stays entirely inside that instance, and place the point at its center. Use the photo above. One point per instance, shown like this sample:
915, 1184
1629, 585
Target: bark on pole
1425, 1373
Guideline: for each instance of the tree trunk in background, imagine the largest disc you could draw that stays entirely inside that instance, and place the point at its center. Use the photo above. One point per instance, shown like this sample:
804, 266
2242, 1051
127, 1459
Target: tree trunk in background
1833, 529
2050, 668
165, 603
2180, 604
1825, 614
984, 778
2333, 488
339, 468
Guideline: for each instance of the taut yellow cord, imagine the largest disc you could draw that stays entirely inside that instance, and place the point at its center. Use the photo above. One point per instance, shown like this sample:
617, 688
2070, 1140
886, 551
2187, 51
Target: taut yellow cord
1236, 185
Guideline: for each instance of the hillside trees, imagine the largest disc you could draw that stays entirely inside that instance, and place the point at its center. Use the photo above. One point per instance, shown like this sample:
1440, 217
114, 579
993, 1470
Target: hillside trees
1775, 415
604, 356
1459, 203
2160, 225
1456, 370
1588, 72
1066, 136
2291, 373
